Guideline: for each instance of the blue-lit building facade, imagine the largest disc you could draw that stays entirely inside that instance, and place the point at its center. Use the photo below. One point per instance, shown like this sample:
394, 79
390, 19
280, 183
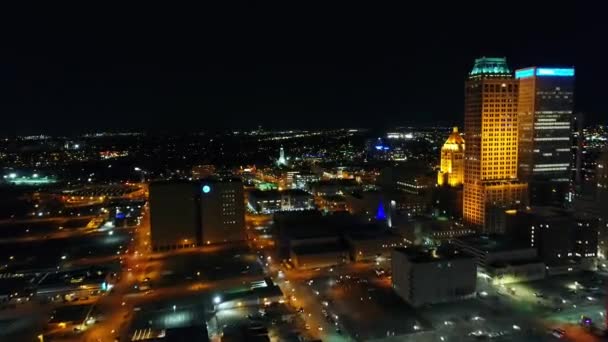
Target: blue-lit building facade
545, 110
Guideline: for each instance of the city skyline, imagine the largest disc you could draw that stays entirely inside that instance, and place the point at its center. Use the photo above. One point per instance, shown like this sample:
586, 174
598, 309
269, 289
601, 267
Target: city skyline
275, 175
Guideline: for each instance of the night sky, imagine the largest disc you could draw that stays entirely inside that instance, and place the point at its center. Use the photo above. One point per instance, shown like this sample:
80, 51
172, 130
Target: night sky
310, 67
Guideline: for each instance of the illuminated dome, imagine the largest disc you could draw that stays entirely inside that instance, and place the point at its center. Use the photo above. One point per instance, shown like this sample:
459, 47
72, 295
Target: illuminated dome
490, 67
451, 170
455, 142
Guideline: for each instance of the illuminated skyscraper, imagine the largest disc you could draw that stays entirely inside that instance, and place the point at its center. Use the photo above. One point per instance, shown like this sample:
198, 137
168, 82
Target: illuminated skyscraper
545, 106
490, 125
452, 161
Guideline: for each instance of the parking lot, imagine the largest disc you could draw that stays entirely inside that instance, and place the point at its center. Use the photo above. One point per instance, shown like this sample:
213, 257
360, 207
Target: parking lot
365, 308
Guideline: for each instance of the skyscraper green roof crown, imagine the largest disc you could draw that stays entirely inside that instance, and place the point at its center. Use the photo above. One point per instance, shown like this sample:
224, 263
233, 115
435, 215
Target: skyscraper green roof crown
491, 67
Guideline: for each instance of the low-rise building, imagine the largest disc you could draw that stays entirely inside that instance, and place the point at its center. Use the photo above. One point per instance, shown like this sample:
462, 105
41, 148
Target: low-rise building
420, 230
303, 180
502, 260
333, 187
491, 249
318, 255
432, 276
558, 235
515, 271
271, 201
331, 203
203, 171
372, 244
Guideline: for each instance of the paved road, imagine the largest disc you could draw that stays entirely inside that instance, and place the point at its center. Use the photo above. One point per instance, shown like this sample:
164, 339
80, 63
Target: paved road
116, 314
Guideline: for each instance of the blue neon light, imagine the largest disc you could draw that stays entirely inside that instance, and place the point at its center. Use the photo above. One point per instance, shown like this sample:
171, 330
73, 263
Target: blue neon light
206, 189
378, 147
555, 72
524, 73
380, 214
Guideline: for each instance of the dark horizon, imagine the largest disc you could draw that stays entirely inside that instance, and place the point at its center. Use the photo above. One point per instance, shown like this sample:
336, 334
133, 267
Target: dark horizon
136, 74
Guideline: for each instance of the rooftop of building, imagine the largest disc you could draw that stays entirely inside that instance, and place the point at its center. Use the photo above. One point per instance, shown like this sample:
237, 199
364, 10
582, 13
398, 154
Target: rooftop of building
409, 171
193, 333
178, 334
330, 247
369, 232
9, 286
337, 181
492, 243
75, 278
264, 289
276, 193
312, 224
426, 255
549, 213
505, 264
490, 67
222, 179
334, 198
375, 194
70, 313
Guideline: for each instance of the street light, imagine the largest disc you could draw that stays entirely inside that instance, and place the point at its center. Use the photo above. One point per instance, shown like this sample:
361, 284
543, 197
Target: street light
217, 300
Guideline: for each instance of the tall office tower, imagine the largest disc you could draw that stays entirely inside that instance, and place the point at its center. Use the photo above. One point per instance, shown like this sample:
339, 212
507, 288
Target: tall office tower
451, 171
490, 126
174, 215
578, 147
222, 213
545, 105
602, 199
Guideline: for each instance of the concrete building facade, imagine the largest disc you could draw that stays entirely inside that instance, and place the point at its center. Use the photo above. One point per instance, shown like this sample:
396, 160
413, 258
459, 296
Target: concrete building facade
222, 210
174, 215
428, 276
